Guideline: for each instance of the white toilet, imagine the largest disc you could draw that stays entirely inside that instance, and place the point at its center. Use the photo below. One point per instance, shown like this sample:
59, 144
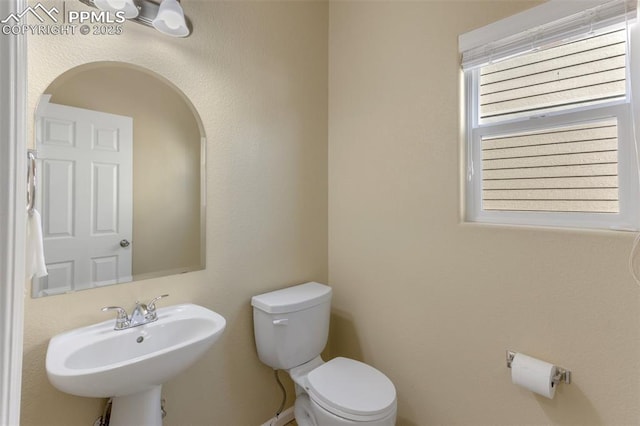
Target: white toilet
291, 327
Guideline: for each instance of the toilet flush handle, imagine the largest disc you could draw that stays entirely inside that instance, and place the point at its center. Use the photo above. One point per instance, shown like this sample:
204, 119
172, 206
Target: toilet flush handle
282, 321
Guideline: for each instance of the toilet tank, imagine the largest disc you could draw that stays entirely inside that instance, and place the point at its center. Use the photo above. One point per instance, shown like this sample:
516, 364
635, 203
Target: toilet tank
291, 325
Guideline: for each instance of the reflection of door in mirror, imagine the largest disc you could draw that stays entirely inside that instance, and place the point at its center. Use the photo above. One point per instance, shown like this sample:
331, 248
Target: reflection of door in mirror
168, 174
86, 197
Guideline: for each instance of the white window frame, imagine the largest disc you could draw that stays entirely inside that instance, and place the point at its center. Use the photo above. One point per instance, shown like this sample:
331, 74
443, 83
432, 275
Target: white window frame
628, 217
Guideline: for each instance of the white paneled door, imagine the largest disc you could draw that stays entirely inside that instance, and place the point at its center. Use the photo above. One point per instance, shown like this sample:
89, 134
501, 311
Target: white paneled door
85, 196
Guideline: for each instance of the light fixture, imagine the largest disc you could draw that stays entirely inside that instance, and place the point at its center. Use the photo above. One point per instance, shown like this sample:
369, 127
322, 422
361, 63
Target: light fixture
127, 6
170, 19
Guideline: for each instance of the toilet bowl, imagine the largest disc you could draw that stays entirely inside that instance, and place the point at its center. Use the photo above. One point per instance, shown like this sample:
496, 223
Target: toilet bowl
291, 328
343, 391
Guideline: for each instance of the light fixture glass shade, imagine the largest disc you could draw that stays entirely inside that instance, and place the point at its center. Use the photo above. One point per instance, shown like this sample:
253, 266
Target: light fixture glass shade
127, 6
170, 19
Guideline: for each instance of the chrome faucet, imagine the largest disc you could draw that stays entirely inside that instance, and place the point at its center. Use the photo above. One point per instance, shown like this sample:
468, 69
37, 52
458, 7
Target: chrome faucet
142, 314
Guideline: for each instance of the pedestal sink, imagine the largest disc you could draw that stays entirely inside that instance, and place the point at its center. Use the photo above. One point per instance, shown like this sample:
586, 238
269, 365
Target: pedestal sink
131, 365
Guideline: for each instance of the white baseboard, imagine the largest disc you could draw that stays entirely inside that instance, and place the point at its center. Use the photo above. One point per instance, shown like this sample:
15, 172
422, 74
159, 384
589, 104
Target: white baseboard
285, 417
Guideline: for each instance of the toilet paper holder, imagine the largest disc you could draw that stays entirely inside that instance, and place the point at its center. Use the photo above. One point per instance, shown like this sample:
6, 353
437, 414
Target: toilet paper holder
562, 374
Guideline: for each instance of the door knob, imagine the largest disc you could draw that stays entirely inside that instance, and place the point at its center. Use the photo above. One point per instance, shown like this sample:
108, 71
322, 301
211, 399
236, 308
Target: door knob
124, 243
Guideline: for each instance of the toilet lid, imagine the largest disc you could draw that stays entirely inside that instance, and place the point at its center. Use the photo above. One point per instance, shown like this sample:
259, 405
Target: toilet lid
351, 389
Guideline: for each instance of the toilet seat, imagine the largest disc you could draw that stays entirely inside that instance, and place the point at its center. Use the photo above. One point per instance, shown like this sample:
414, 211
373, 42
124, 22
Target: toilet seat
352, 390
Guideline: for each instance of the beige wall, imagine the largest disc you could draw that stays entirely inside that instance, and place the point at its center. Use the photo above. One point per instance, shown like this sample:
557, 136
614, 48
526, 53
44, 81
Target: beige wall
166, 160
433, 302
257, 74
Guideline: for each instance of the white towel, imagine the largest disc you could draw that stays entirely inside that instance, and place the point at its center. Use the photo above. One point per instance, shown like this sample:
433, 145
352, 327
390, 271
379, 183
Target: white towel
35, 264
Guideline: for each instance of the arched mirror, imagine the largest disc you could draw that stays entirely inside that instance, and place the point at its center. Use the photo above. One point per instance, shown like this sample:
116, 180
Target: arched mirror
121, 172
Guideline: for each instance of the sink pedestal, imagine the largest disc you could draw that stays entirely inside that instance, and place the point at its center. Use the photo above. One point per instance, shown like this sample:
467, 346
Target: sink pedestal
142, 408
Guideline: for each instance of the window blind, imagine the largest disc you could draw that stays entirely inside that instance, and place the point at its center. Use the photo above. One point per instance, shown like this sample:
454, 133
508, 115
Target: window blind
574, 26
569, 169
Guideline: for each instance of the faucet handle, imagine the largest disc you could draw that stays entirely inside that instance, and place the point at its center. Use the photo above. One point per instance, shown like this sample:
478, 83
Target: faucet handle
151, 306
122, 313
122, 319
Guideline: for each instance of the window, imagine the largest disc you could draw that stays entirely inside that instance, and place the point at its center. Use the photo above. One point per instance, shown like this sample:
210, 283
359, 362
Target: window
550, 122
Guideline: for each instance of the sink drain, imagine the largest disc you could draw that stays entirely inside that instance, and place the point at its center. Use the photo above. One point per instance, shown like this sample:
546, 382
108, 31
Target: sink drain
140, 339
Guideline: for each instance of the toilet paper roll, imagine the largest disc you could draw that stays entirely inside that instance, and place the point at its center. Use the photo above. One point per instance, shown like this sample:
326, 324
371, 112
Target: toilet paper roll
533, 374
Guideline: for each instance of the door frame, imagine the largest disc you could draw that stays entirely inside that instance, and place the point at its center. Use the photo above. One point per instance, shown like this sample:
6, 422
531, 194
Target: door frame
13, 151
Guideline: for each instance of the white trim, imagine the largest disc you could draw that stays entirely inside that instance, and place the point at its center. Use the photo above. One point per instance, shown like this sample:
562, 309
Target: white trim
530, 18
285, 417
633, 48
13, 152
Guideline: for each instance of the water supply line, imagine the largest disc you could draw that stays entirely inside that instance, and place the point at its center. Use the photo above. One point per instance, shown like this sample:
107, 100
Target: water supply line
104, 419
284, 393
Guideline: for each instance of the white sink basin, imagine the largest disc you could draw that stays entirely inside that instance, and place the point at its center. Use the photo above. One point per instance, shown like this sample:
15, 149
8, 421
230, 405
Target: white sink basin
98, 361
